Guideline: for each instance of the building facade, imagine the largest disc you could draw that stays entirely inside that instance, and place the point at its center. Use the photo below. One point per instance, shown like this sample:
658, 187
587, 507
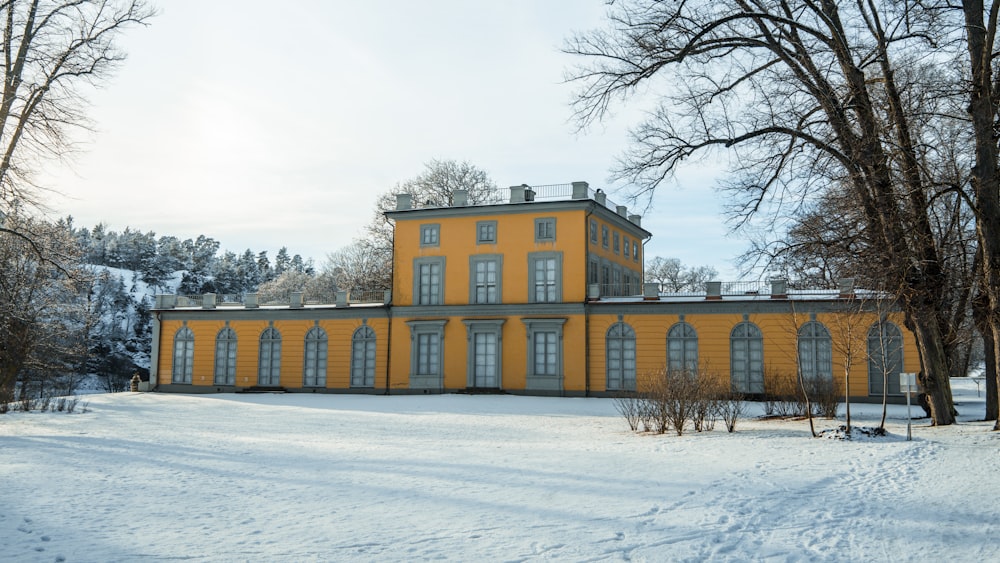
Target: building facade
540, 293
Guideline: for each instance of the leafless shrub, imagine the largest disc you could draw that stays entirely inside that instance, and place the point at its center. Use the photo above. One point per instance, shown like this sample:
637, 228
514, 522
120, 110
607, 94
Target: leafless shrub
730, 408
630, 406
710, 391
823, 396
782, 395
71, 405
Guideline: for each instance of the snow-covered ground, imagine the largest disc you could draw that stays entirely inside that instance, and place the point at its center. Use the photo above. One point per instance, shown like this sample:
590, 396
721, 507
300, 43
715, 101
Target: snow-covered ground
482, 478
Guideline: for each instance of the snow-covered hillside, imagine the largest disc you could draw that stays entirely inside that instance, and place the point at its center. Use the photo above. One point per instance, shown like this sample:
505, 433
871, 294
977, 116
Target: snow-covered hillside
482, 478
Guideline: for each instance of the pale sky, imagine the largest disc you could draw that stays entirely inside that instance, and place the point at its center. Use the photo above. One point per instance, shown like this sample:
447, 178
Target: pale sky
266, 124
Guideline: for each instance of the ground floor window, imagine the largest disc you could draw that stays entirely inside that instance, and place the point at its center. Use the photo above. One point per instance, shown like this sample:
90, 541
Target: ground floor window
314, 368
620, 348
225, 357
269, 358
746, 348
885, 358
183, 356
363, 357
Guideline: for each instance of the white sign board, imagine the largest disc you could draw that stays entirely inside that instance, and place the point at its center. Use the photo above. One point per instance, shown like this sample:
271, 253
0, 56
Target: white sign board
907, 380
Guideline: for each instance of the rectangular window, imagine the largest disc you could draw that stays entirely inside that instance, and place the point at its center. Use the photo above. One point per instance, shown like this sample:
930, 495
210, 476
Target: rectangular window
546, 353
486, 281
430, 235
593, 231
428, 281
617, 243
626, 250
604, 236
635, 252
544, 273
486, 232
545, 229
428, 354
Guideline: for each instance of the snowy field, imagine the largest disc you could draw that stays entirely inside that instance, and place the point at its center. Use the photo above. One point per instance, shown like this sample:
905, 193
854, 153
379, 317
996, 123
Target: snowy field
151, 477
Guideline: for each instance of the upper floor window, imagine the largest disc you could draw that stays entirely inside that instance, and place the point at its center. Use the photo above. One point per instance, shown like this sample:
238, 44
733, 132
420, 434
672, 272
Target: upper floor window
430, 235
617, 247
484, 279
486, 232
626, 250
428, 278
604, 236
593, 231
544, 276
635, 251
545, 229
183, 356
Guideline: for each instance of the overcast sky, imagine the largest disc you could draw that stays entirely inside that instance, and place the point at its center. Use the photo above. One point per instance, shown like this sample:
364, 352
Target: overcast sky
266, 124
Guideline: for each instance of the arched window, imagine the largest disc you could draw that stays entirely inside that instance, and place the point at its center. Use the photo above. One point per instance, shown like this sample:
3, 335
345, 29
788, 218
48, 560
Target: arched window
815, 356
225, 357
183, 356
682, 348
620, 341
885, 358
314, 368
363, 357
269, 360
746, 353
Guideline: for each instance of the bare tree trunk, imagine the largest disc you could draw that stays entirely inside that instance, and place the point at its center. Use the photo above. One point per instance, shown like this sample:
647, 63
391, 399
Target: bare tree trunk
934, 374
992, 387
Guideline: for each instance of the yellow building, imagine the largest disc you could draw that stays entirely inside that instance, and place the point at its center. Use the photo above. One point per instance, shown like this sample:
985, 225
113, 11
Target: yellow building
541, 293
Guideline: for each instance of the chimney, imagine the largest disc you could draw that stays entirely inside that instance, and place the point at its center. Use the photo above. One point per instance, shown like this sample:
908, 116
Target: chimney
651, 291
517, 193
250, 301
623, 211
341, 298
460, 198
404, 202
601, 197
208, 301
580, 190
846, 288
635, 220
296, 300
713, 290
779, 289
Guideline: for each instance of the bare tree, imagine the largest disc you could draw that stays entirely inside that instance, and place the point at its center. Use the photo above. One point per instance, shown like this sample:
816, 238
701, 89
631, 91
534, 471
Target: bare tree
675, 277
42, 306
363, 265
980, 26
434, 187
50, 50
805, 95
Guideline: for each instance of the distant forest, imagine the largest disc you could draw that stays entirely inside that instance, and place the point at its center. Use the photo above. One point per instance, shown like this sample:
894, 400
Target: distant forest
125, 269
